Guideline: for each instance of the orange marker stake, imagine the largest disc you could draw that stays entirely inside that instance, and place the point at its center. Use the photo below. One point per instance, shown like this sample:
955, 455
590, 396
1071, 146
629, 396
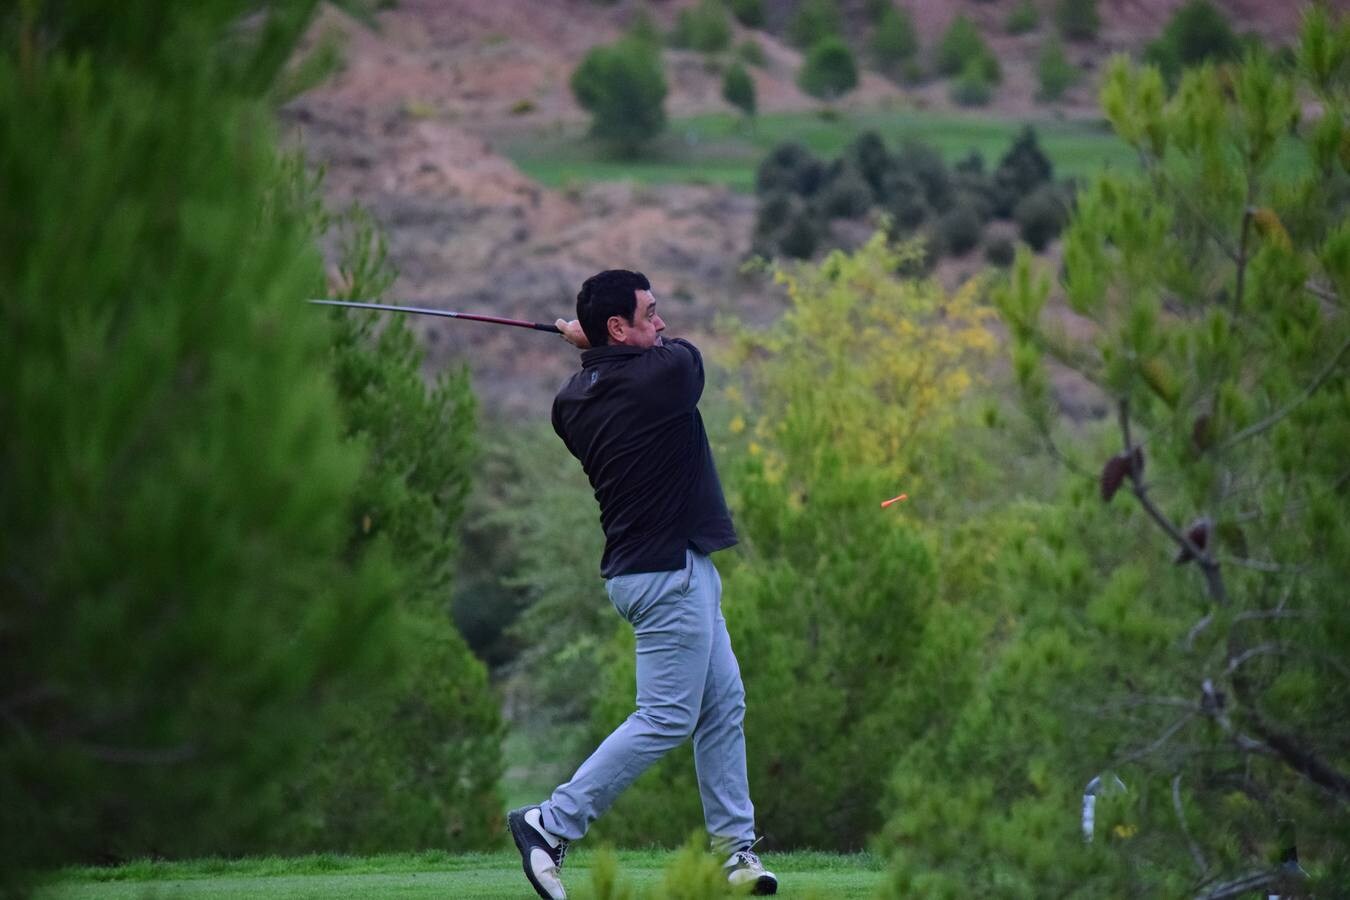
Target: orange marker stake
901, 498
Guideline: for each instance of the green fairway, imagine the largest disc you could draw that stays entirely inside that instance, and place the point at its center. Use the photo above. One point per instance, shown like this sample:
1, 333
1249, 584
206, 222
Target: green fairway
442, 875
720, 149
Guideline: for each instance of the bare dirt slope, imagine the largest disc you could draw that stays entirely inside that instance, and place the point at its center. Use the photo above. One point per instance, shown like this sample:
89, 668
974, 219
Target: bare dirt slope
406, 129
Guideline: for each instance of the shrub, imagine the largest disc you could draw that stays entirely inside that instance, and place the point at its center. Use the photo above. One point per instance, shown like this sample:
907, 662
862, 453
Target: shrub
800, 235
867, 155
751, 53
1196, 32
738, 89
623, 87
1078, 20
846, 196
1021, 170
895, 41
749, 13
1041, 216
1000, 252
973, 87
906, 203
962, 50
790, 168
1054, 71
926, 166
814, 22
829, 70
957, 231
705, 28
1024, 17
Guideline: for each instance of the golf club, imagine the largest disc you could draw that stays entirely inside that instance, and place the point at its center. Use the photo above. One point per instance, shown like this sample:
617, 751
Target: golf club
495, 320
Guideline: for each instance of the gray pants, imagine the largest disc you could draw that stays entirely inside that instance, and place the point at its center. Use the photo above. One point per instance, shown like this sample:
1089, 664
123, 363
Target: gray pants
688, 683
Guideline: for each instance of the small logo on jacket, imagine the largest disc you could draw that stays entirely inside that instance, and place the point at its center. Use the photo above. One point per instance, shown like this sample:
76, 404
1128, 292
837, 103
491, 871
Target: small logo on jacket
594, 375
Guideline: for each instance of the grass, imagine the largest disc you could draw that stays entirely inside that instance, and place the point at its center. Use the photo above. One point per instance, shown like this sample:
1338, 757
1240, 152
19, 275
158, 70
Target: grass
471, 876
720, 149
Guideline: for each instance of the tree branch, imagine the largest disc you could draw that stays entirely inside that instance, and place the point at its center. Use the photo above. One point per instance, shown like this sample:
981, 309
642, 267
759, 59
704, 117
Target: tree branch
1185, 831
1213, 579
1275, 417
1161, 740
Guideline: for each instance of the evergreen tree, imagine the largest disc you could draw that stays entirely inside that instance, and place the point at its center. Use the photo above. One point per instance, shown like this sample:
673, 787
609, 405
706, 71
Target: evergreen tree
749, 13
815, 21
1196, 32
895, 41
705, 27
1054, 71
1078, 20
1173, 603
829, 71
179, 616
963, 51
417, 764
623, 87
738, 89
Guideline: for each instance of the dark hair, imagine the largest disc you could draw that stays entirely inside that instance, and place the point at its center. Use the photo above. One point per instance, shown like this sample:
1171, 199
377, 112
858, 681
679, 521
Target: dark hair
612, 292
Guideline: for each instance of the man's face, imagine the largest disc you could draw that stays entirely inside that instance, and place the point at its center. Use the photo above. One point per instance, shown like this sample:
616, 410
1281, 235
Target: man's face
645, 329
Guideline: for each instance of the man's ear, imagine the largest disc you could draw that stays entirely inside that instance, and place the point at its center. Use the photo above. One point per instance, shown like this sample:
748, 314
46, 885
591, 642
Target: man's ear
616, 327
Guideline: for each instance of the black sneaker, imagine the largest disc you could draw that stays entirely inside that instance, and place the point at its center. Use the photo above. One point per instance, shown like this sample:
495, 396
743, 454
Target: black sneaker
541, 853
744, 869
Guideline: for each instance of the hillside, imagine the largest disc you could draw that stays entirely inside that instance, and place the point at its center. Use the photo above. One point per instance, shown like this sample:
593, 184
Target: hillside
411, 125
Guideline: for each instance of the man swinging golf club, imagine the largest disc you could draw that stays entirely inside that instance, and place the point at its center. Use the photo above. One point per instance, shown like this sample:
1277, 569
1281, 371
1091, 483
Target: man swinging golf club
631, 417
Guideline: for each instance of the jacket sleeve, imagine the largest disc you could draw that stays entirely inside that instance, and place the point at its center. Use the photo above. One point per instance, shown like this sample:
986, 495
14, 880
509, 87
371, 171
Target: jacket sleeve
677, 374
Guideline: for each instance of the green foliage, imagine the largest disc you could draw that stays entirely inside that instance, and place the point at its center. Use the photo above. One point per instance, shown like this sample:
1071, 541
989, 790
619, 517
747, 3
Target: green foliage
179, 613
244, 62
1041, 215
847, 195
790, 167
829, 71
1210, 292
800, 234
914, 188
959, 229
1196, 32
895, 42
963, 51
705, 27
417, 763
749, 13
738, 89
1078, 20
815, 21
1000, 252
623, 87
973, 88
830, 597
1022, 169
1022, 18
1054, 71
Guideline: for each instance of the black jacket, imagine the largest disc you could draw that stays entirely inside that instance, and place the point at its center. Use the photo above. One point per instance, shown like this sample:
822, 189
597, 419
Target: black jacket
631, 417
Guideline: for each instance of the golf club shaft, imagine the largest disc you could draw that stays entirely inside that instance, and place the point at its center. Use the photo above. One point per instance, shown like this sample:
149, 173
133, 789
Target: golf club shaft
386, 307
